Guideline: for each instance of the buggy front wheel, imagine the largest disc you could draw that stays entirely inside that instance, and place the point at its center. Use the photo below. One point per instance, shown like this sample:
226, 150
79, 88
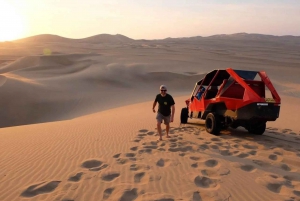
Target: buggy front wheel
212, 124
184, 115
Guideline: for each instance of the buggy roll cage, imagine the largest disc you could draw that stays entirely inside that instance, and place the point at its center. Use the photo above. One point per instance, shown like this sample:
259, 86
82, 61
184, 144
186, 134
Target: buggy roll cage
225, 78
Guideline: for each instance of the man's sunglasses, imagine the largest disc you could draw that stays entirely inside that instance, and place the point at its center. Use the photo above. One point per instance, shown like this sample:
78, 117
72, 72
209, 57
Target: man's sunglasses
163, 90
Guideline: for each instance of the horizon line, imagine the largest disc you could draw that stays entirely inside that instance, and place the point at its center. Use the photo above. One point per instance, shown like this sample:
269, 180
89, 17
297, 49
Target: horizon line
246, 33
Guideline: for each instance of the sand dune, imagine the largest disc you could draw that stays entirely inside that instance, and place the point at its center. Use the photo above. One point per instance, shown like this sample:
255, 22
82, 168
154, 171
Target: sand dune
114, 155
78, 125
61, 87
101, 38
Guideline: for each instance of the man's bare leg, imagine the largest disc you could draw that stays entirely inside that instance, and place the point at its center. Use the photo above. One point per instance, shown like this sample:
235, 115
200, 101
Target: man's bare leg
159, 130
167, 130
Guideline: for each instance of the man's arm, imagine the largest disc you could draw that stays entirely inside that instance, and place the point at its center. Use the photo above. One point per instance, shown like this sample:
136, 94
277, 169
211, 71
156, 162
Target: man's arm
172, 112
154, 104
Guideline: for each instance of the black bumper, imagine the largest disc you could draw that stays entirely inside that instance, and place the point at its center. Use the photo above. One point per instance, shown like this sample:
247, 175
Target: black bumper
265, 111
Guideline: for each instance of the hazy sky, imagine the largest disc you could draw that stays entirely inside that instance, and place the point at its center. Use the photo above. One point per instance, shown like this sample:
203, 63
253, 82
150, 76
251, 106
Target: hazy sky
147, 19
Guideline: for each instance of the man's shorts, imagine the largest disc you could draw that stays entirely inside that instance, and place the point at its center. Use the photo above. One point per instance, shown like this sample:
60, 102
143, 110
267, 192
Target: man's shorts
161, 117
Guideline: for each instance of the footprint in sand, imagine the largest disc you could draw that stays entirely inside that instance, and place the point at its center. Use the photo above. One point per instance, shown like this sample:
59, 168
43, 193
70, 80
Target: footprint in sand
76, 177
276, 184
141, 151
196, 196
44, 187
162, 144
162, 162
94, 165
215, 173
136, 167
143, 131
91, 164
219, 143
248, 168
129, 155
173, 145
107, 192
150, 133
182, 154
203, 146
216, 139
214, 146
129, 195
142, 135
136, 140
297, 193
134, 148
173, 140
275, 157
243, 155
122, 161
110, 176
225, 152
138, 177
244, 167
211, 163
116, 155
181, 149
161, 149
285, 167
194, 165
205, 182
148, 147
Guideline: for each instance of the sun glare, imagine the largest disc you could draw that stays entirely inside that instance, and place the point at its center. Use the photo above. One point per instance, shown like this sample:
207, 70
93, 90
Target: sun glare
11, 23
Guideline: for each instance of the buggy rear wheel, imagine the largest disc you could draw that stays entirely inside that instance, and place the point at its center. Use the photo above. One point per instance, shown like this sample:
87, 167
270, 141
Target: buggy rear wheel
234, 125
212, 124
184, 115
257, 129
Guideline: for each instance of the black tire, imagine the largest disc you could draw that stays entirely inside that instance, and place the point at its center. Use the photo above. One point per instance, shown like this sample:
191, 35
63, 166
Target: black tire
234, 125
184, 115
257, 129
212, 124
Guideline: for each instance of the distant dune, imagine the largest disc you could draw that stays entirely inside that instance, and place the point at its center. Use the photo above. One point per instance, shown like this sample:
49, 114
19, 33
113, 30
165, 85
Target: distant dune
101, 38
118, 38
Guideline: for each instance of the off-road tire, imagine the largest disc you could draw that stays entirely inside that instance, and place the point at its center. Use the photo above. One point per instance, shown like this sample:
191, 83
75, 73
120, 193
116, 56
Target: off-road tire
184, 115
234, 125
212, 124
257, 129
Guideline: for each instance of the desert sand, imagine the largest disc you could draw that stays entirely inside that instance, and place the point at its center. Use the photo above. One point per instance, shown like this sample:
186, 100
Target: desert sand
77, 121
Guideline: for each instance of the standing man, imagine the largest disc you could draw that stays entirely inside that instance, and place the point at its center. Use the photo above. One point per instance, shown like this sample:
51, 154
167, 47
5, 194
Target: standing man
165, 104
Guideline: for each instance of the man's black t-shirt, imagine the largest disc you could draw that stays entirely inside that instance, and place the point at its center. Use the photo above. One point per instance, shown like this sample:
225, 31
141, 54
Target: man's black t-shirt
164, 104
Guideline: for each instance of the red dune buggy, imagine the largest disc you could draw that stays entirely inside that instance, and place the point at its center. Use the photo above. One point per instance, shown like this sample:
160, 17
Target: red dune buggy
233, 98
